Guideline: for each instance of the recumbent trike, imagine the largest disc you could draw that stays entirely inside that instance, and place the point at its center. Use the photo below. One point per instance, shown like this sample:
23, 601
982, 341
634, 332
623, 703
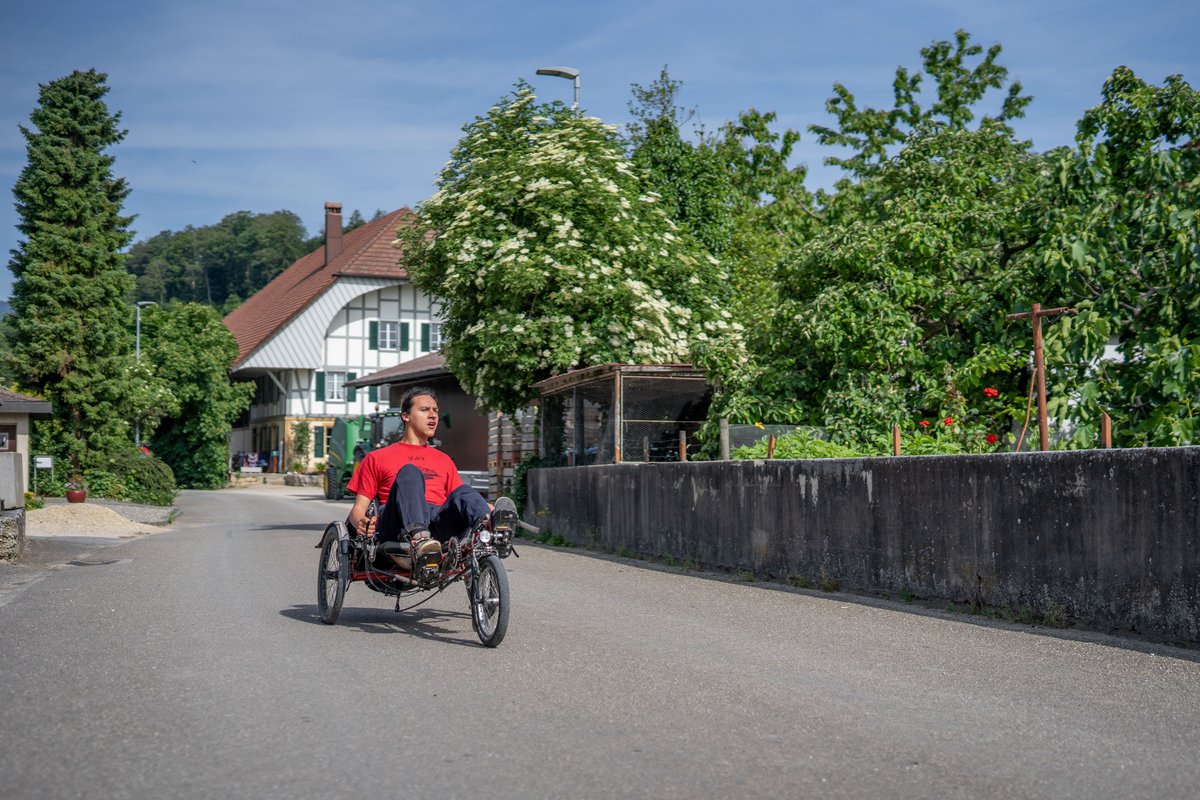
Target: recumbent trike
399, 569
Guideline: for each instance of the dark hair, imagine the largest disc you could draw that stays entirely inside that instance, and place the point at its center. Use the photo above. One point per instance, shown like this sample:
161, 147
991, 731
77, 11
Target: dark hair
406, 399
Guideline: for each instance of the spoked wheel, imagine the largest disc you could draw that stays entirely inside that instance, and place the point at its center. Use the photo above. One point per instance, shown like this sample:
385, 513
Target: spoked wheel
333, 574
489, 601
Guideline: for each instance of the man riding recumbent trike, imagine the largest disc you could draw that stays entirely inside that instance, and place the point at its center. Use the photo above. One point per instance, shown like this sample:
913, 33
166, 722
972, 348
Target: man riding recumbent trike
432, 531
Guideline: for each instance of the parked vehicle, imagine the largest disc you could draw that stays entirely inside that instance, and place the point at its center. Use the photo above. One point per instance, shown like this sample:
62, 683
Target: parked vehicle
350, 441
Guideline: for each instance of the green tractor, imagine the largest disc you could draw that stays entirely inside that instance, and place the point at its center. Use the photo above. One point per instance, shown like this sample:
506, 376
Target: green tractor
350, 441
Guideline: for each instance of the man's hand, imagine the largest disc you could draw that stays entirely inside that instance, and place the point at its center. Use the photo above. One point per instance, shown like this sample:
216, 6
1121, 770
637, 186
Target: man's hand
363, 525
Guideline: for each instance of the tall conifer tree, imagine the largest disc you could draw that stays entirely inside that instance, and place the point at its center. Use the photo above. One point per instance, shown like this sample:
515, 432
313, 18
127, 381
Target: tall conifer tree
71, 338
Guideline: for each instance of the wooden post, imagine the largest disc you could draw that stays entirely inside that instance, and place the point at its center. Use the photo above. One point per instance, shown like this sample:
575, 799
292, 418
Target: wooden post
1105, 430
1039, 364
724, 427
895, 440
771, 447
683, 446
645, 448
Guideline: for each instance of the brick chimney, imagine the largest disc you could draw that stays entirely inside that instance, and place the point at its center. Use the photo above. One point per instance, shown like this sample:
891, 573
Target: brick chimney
333, 231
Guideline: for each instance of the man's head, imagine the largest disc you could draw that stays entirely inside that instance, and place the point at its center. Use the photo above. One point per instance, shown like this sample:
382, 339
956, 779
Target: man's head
406, 399
419, 410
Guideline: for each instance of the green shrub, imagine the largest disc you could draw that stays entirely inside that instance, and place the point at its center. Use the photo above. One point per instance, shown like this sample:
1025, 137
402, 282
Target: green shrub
801, 443
133, 476
518, 492
32, 501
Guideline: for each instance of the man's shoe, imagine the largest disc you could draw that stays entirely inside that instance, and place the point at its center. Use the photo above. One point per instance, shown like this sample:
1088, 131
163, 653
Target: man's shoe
424, 549
504, 517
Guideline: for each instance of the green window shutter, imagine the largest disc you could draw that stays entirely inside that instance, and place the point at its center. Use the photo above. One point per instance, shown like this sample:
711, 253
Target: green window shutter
351, 393
318, 441
320, 387
424, 337
403, 335
373, 394
373, 335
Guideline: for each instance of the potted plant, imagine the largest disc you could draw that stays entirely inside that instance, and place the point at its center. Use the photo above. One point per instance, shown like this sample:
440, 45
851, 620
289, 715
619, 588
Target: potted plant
76, 489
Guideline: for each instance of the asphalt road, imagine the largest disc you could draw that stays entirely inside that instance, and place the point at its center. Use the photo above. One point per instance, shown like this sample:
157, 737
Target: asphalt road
190, 664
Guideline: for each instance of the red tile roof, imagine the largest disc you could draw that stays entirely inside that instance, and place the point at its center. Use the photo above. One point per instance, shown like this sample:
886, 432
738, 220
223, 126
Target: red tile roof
367, 251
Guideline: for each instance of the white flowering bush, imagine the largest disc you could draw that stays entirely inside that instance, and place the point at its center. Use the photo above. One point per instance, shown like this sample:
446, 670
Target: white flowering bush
548, 254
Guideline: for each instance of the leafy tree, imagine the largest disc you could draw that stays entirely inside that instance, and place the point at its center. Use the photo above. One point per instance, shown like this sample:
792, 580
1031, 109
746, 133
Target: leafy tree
302, 441
772, 210
1121, 243
549, 253
217, 264
896, 312
693, 185
191, 350
873, 133
70, 337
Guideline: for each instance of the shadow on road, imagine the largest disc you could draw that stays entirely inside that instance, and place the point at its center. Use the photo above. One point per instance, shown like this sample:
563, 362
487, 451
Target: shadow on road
426, 623
291, 526
937, 609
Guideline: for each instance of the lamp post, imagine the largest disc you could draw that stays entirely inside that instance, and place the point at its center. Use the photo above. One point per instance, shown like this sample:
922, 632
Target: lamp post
137, 356
564, 72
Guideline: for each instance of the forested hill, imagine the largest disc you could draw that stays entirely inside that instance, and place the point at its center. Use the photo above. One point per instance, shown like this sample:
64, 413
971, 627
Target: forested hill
223, 264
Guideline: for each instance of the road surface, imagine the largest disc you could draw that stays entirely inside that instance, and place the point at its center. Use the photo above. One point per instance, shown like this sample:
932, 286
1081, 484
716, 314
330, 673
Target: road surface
190, 664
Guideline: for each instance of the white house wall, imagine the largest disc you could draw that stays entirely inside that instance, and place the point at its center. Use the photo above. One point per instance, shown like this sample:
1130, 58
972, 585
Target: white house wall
299, 343
332, 335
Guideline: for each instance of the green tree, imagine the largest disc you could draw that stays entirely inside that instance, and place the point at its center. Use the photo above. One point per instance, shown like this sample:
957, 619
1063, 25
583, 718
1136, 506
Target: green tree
772, 211
191, 350
302, 440
70, 328
896, 313
548, 253
212, 264
874, 133
1121, 243
693, 185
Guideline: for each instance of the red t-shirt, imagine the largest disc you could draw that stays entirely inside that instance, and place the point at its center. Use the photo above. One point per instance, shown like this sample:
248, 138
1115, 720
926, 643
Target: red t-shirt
377, 472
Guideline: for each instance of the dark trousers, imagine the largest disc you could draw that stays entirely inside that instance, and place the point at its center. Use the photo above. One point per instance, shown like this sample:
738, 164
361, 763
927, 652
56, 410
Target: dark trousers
406, 509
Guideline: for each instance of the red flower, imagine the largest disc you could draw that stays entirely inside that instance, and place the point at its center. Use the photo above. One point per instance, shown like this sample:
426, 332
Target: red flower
924, 423
992, 438
949, 421
990, 392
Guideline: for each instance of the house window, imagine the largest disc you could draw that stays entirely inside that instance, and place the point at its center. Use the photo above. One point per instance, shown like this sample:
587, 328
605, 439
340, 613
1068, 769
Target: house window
431, 336
388, 335
335, 386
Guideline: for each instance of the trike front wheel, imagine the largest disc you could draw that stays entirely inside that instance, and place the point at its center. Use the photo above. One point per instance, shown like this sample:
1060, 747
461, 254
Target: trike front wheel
333, 573
490, 601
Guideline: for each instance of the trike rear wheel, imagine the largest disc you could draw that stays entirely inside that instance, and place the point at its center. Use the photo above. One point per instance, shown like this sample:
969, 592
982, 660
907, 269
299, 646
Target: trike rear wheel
333, 574
490, 601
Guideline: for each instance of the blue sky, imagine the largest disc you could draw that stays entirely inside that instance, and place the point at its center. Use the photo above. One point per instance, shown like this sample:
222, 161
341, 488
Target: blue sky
263, 105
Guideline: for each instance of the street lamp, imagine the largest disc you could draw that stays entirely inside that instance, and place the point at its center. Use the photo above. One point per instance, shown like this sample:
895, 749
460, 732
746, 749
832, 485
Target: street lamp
569, 73
137, 355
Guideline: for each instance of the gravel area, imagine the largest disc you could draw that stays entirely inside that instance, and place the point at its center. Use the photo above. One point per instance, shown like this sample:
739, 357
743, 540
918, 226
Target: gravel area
101, 518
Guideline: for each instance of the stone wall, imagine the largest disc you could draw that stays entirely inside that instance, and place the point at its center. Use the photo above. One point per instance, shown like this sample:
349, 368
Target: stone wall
1109, 538
12, 534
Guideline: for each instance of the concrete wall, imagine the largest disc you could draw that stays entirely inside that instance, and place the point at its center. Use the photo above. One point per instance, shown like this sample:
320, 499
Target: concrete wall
1109, 538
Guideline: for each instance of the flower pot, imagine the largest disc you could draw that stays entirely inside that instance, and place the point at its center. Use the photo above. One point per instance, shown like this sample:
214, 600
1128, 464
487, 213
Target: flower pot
76, 495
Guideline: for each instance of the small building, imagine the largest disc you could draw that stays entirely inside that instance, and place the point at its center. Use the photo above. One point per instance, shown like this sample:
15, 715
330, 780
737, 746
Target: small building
611, 413
344, 310
15, 413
